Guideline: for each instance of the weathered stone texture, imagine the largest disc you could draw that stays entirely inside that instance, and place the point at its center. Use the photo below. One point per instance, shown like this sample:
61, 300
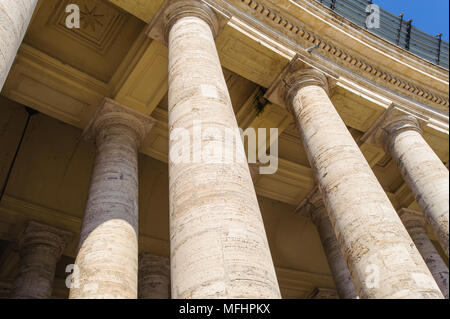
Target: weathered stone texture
41, 247
15, 15
415, 224
336, 262
369, 231
108, 248
154, 277
423, 171
219, 247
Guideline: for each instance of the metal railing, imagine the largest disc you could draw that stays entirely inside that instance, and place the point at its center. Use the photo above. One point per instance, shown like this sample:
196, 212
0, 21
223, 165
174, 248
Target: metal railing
394, 29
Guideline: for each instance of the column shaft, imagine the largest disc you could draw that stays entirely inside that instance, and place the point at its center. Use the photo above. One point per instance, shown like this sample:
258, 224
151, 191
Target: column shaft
380, 255
336, 262
219, 247
107, 259
427, 177
415, 224
40, 250
15, 15
154, 277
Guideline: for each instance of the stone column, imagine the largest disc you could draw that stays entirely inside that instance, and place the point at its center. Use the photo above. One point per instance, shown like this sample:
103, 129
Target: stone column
415, 224
41, 247
154, 277
422, 170
218, 242
381, 257
314, 208
107, 258
15, 15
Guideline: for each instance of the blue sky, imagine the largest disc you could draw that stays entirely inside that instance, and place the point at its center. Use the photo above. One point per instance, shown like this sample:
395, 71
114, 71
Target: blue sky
430, 16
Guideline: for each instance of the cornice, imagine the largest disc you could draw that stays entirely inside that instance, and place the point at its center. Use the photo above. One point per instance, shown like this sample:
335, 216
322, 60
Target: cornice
330, 49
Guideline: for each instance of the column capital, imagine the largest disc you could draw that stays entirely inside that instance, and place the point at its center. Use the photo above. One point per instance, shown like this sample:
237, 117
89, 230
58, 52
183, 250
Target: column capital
254, 171
173, 10
295, 76
111, 114
148, 259
394, 121
412, 218
36, 233
312, 206
154, 276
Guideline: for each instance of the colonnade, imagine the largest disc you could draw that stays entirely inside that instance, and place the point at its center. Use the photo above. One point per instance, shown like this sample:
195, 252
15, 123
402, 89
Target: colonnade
218, 243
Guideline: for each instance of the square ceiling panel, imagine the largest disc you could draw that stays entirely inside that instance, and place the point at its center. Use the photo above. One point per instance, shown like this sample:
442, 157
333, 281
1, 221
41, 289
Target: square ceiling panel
97, 48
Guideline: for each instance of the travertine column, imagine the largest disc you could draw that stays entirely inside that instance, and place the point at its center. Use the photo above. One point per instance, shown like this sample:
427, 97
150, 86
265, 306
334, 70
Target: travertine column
415, 224
154, 277
218, 243
381, 256
316, 210
41, 247
15, 15
422, 170
107, 259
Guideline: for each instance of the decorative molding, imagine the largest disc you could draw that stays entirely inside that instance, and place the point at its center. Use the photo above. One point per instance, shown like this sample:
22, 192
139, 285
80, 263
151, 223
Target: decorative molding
100, 23
112, 113
312, 201
412, 218
394, 120
294, 76
37, 233
289, 184
173, 10
53, 88
329, 48
142, 9
144, 86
